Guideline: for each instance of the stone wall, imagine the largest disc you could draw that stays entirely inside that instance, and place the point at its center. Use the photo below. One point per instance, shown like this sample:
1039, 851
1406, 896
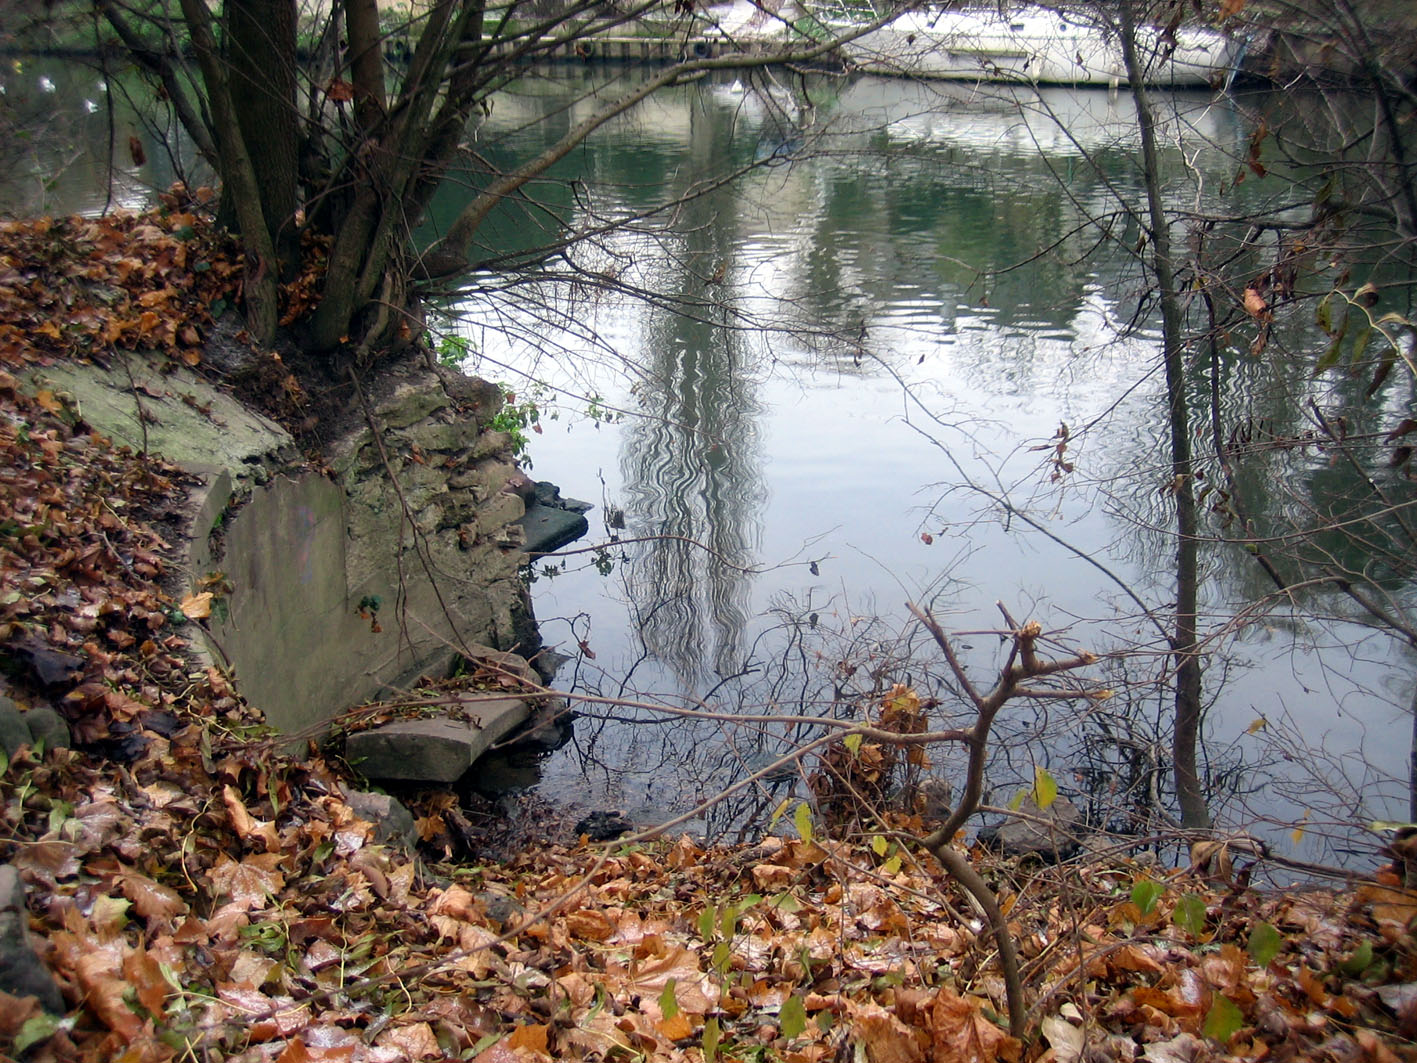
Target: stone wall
338, 585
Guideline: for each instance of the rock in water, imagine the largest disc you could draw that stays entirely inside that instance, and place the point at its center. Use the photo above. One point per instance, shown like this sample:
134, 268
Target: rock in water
1048, 834
604, 826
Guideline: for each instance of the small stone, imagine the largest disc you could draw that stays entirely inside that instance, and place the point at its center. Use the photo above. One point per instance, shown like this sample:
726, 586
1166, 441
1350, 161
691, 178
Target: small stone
604, 826
1055, 838
13, 731
393, 823
47, 726
21, 973
500, 908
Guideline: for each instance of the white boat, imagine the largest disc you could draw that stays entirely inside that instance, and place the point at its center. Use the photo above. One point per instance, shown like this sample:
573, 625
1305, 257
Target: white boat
1032, 44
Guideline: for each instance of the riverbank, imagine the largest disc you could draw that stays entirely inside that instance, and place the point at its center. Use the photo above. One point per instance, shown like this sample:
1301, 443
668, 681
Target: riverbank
179, 884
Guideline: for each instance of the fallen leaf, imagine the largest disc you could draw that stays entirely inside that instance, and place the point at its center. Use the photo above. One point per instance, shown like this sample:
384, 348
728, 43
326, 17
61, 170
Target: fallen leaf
151, 900
249, 882
197, 606
1066, 1039
888, 1040
960, 1033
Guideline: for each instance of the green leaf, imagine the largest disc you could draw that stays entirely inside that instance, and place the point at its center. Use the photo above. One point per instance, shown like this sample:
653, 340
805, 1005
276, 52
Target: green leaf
891, 866
1045, 787
1222, 1020
1360, 344
722, 953
1190, 914
852, 742
879, 845
710, 1040
802, 820
36, 1028
785, 902
1323, 315
1359, 962
1016, 802
487, 1041
668, 1002
792, 1019
4, 762
1329, 358
728, 922
824, 1020
1145, 894
708, 918
1265, 942
778, 812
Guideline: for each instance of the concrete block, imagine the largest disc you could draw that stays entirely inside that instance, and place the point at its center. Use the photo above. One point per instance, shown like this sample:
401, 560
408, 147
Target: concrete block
434, 750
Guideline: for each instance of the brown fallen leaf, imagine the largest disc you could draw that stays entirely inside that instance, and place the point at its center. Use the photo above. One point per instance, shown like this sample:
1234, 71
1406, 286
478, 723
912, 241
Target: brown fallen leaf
197, 606
887, 1039
249, 882
960, 1032
151, 900
414, 1041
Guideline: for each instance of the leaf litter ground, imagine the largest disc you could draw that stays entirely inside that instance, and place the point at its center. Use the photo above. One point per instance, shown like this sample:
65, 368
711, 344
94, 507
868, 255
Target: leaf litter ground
200, 894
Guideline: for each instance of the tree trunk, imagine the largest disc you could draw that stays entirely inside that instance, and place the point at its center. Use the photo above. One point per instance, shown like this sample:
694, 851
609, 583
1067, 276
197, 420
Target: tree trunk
261, 279
260, 53
366, 62
1190, 792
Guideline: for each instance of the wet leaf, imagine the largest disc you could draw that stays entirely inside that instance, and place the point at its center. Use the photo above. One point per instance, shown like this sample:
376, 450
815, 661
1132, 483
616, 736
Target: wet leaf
1189, 914
1265, 943
802, 820
151, 900
1223, 1020
710, 1040
1359, 961
1045, 787
248, 883
668, 1004
1145, 893
792, 1017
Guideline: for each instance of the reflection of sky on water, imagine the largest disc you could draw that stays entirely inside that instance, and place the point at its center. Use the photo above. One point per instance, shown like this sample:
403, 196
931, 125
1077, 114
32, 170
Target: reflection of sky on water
65, 129
841, 447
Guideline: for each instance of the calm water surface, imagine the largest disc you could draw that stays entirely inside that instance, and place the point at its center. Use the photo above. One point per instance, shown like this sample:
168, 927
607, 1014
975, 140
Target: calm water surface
861, 349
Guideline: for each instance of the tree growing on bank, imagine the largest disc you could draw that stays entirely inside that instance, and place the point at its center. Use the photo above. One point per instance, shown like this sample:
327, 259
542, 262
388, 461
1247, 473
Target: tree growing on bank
318, 137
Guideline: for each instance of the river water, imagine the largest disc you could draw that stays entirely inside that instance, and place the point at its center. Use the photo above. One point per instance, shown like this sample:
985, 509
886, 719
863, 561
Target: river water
835, 385
848, 361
